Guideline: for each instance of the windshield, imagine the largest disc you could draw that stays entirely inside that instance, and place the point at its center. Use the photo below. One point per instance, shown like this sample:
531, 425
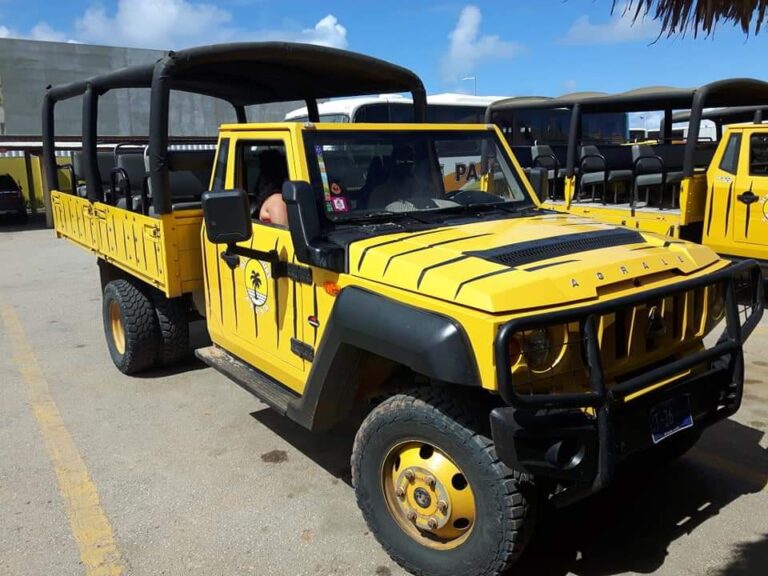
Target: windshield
370, 173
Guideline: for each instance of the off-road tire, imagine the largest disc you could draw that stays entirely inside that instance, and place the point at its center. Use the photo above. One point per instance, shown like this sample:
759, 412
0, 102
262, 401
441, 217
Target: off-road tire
139, 324
504, 499
173, 323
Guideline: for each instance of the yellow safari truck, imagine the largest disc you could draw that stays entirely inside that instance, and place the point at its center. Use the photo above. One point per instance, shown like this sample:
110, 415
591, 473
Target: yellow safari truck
500, 353
713, 192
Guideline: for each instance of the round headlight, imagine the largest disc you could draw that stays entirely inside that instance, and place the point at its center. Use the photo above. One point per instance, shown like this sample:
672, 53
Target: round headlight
538, 349
515, 350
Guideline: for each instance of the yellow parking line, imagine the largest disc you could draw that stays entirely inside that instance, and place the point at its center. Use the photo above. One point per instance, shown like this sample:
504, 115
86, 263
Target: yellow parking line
90, 526
710, 460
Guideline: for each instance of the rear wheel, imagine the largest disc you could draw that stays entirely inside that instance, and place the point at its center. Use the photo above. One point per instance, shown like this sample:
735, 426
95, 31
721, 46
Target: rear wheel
173, 323
130, 326
432, 490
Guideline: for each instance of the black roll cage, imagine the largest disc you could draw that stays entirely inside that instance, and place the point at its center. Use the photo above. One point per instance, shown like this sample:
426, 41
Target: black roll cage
723, 116
733, 92
242, 74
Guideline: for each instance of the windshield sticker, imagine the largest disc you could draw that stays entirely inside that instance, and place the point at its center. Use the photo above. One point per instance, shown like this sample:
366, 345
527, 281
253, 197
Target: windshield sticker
323, 174
336, 188
339, 204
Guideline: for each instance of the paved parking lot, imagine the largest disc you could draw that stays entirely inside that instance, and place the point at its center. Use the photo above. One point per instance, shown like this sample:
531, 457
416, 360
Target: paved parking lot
183, 472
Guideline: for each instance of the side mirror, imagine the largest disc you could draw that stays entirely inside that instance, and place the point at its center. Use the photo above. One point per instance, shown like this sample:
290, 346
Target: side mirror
303, 218
539, 178
227, 216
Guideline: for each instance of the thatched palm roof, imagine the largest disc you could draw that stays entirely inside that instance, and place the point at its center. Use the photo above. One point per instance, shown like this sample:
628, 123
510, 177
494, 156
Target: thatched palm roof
681, 16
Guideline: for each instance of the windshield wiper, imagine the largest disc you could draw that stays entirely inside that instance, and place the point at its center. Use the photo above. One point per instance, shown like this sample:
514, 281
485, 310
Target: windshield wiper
376, 214
509, 207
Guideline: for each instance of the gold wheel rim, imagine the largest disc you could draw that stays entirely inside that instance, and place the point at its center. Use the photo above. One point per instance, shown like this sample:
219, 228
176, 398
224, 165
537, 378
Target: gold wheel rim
116, 327
428, 495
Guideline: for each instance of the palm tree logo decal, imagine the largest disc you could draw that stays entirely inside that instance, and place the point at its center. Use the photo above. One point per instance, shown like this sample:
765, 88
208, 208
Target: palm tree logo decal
257, 275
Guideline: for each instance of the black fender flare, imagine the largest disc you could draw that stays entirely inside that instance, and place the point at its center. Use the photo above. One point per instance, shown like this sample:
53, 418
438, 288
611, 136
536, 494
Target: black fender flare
428, 343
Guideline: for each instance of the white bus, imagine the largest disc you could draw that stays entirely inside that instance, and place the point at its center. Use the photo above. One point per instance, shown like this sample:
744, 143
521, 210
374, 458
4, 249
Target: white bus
445, 108
459, 161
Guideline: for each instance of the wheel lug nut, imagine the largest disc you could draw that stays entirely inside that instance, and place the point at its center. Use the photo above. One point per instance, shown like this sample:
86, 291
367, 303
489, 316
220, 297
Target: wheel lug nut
409, 475
430, 480
411, 515
400, 493
432, 523
442, 505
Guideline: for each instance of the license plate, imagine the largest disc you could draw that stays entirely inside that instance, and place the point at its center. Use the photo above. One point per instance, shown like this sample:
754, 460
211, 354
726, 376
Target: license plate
670, 417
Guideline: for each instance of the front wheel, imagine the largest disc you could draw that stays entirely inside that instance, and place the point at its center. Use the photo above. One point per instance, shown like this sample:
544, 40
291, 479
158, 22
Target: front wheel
433, 491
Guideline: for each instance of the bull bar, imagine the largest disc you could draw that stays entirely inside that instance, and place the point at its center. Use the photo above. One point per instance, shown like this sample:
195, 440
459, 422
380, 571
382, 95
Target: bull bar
552, 435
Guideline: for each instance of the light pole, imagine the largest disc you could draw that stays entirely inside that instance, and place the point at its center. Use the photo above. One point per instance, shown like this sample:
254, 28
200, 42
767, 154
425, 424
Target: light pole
474, 83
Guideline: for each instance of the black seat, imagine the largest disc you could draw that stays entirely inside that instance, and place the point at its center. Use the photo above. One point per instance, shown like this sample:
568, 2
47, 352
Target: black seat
189, 173
131, 174
649, 171
543, 156
375, 175
595, 171
187, 188
105, 162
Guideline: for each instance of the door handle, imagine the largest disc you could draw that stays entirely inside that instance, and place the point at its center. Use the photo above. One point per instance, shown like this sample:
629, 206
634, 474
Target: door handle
748, 198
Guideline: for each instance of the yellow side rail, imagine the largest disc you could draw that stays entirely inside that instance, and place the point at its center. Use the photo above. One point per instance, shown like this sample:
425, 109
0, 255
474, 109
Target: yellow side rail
162, 251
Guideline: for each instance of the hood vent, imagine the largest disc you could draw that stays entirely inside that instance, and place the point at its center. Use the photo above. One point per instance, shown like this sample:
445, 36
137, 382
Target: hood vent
547, 248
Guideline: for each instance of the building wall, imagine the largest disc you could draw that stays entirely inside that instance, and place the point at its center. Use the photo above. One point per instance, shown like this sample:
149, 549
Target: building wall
28, 66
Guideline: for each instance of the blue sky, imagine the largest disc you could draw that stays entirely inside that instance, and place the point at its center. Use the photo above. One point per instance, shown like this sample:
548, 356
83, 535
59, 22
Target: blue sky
512, 47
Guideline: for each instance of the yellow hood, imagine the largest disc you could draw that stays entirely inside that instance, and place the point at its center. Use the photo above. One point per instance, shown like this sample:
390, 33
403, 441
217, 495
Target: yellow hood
520, 264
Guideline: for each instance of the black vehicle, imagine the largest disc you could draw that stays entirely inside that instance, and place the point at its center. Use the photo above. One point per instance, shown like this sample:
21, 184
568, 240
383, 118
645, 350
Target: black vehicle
11, 198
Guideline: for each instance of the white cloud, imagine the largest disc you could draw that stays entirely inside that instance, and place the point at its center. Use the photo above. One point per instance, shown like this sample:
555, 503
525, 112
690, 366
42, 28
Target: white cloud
618, 29
175, 24
42, 31
152, 24
327, 32
468, 47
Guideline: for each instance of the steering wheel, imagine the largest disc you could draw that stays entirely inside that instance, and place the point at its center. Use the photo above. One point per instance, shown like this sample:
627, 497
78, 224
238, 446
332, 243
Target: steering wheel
472, 197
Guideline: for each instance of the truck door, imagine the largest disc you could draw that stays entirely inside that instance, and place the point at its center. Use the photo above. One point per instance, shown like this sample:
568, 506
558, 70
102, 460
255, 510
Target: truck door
252, 311
750, 224
721, 179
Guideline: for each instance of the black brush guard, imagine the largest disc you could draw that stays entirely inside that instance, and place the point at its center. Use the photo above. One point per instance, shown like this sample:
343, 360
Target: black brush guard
550, 435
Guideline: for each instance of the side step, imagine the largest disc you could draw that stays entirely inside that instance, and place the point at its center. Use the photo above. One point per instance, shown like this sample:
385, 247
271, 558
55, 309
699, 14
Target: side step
260, 385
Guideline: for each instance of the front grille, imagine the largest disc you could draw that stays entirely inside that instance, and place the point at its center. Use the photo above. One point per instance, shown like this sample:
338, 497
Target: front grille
631, 339
651, 327
540, 250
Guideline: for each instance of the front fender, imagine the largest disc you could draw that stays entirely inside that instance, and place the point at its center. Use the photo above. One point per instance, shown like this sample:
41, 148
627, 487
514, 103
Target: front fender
428, 343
